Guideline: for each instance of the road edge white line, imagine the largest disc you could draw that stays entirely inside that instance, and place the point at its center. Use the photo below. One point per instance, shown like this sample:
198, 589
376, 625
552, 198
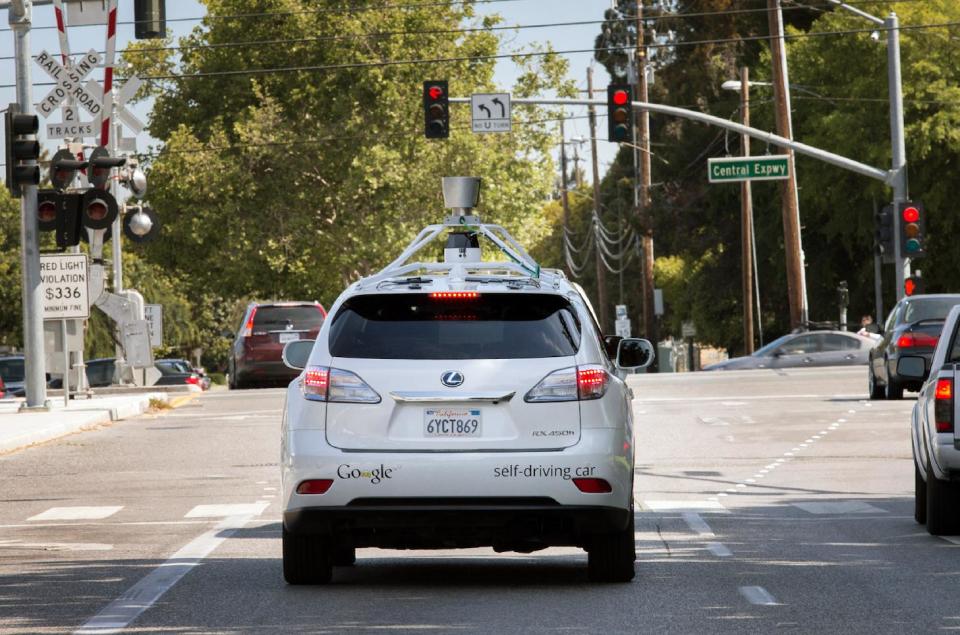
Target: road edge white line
758, 596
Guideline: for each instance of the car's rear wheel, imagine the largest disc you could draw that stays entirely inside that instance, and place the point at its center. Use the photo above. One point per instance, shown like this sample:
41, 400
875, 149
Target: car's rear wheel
874, 389
893, 390
306, 559
943, 500
610, 557
919, 495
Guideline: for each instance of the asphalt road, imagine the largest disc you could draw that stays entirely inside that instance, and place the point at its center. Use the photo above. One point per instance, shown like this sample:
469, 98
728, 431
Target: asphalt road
768, 501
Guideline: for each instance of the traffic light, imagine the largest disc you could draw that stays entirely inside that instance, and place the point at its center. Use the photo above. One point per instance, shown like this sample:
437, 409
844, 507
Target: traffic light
150, 19
100, 165
619, 112
911, 229
913, 285
436, 110
19, 148
63, 169
47, 204
883, 237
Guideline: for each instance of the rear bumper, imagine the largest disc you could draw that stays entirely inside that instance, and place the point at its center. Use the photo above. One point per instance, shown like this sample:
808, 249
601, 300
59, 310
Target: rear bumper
265, 371
506, 524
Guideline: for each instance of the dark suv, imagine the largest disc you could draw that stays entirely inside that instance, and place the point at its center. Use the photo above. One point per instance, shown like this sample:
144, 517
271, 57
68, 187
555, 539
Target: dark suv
912, 328
255, 357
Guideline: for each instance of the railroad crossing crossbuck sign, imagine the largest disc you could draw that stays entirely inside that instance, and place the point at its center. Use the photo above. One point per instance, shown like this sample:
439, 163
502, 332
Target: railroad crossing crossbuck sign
491, 112
69, 85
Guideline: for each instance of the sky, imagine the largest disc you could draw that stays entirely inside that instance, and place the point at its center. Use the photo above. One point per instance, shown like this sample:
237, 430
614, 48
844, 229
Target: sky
515, 12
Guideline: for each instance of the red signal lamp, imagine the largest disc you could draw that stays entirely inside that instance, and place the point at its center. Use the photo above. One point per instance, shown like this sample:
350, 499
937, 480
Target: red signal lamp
620, 97
435, 92
911, 214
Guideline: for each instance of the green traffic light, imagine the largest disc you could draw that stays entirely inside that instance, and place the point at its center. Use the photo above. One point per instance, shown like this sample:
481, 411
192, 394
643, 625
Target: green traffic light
620, 132
912, 246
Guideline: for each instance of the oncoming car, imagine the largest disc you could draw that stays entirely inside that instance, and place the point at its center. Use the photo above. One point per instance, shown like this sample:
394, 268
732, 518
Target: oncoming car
471, 404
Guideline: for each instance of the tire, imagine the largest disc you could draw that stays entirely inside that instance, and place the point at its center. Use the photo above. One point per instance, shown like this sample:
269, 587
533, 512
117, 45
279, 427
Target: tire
610, 557
919, 496
306, 559
893, 390
873, 389
344, 556
942, 502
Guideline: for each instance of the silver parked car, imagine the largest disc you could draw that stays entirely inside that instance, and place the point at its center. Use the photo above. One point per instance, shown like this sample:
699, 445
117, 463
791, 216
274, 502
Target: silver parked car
807, 349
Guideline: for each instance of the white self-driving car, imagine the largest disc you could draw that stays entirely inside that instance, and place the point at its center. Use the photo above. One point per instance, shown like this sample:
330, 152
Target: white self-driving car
459, 404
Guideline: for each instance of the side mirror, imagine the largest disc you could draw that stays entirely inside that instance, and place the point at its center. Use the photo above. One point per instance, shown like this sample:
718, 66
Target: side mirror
611, 344
777, 353
296, 353
912, 367
633, 353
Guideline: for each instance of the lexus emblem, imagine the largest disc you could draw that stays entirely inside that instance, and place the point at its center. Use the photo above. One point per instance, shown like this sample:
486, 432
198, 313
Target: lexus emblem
451, 378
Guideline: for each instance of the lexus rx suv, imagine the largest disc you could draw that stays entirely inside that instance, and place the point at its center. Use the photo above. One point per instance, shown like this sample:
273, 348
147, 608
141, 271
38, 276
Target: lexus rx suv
437, 412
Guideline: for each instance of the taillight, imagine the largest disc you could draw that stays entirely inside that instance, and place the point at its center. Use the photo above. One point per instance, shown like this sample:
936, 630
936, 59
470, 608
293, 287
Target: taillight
592, 382
592, 485
193, 379
248, 328
570, 384
943, 405
454, 295
315, 486
320, 383
917, 340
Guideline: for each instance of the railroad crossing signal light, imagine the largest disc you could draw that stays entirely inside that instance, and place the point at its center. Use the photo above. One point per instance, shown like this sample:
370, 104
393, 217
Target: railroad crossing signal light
436, 110
60, 213
150, 19
63, 169
913, 286
619, 112
100, 165
19, 149
912, 239
98, 209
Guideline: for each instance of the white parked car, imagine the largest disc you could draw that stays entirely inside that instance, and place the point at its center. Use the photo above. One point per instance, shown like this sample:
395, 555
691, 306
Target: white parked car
459, 404
935, 436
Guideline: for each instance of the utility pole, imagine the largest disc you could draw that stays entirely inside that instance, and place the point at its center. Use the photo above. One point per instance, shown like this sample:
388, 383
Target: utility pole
643, 183
19, 16
563, 190
746, 220
796, 277
601, 272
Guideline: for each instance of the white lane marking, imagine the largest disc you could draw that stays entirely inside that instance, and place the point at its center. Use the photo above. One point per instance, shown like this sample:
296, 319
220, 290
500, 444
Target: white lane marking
142, 595
270, 489
77, 513
954, 539
852, 412
842, 507
54, 546
733, 403
697, 524
744, 397
674, 505
225, 511
758, 595
718, 549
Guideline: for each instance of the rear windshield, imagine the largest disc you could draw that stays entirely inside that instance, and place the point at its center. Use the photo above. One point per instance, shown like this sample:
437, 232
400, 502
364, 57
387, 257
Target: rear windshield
493, 326
11, 370
928, 309
286, 318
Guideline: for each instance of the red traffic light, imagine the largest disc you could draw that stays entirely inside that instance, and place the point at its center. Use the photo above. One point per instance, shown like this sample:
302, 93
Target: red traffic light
909, 286
47, 212
620, 97
911, 214
435, 92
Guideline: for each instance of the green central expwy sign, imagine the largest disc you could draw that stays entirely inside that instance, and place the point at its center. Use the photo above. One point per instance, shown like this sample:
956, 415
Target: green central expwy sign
765, 168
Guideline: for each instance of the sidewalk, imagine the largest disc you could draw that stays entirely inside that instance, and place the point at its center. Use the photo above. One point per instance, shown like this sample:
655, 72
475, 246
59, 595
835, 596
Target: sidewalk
22, 429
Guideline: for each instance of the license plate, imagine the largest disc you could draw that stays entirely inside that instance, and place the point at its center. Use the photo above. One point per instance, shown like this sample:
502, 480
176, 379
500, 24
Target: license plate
452, 422
289, 337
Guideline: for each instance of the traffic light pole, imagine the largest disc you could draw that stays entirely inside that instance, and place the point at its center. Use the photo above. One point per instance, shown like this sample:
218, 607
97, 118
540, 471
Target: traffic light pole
898, 143
19, 15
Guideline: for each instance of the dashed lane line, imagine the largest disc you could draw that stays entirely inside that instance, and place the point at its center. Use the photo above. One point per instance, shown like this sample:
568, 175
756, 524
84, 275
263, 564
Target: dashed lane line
698, 525
141, 596
77, 513
758, 596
